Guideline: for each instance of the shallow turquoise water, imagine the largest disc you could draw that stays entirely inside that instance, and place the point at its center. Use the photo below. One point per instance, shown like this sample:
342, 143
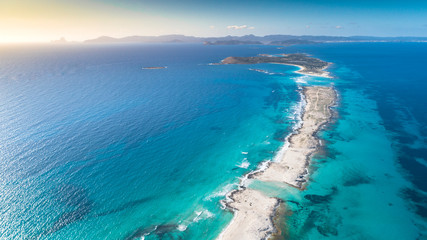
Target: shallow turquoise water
94, 147
355, 190
366, 183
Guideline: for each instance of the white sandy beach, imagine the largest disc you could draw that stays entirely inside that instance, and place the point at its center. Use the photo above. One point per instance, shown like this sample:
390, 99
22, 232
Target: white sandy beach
303, 70
252, 216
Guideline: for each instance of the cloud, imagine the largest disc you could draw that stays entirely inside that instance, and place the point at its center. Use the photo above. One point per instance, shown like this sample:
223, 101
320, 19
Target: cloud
236, 27
338, 27
211, 27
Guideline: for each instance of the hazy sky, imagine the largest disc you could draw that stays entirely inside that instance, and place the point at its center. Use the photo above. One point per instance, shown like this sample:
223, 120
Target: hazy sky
45, 20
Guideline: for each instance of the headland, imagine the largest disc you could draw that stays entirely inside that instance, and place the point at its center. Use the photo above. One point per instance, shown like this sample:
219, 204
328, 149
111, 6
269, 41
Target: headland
308, 65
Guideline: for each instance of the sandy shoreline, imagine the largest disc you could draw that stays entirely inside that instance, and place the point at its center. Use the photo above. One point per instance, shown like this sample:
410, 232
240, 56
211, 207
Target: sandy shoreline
253, 210
291, 167
253, 213
304, 71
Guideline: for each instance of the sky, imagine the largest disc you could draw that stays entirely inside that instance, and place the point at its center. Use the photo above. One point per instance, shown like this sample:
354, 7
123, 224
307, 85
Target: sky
78, 20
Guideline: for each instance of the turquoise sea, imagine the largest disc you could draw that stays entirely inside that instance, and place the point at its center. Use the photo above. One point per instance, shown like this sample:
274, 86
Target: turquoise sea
92, 146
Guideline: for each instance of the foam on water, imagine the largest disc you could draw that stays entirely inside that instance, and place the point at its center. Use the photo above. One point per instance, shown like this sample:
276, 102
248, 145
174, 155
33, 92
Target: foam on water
244, 164
298, 111
182, 227
302, 79
223, 192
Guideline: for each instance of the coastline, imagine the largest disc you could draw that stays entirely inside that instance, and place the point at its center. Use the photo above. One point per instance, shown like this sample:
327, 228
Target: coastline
253, 215
255, 221
291, 166
307, 64
305, 71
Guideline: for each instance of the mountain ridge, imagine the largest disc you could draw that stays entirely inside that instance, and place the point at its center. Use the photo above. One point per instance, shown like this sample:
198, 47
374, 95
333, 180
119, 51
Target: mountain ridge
278, 39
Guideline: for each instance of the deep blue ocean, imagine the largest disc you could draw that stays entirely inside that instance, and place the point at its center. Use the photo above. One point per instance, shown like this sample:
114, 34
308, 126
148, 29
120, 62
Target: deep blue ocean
93, 146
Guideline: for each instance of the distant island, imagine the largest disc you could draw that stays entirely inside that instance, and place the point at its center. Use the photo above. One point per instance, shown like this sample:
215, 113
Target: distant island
290, 42
279, 40
287, 42
308, 65
233, 42
154, 67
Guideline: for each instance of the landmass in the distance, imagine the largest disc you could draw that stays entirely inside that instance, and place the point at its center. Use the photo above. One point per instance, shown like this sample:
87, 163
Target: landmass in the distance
308, 65
280, 40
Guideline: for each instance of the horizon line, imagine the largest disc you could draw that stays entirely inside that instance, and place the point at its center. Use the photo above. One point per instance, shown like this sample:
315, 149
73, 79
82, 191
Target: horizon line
57, 41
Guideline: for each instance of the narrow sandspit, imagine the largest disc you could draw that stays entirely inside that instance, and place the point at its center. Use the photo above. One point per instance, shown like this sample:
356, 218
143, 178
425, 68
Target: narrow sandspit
291, 165
253, 210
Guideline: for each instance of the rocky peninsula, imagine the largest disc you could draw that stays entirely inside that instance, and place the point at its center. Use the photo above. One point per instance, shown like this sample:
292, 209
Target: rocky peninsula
308, 65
